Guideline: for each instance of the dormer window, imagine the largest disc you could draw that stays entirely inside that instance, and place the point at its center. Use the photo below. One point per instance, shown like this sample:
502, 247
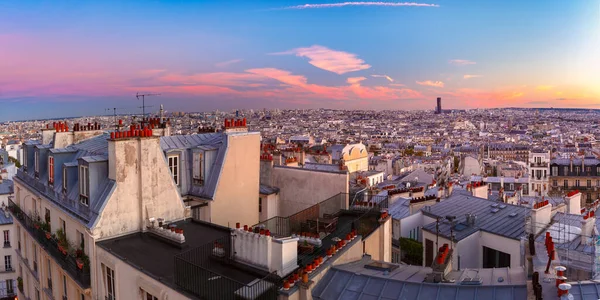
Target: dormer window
174, 167
198, 168
36, 164
84, 185
64, 179
25, 159
51, 170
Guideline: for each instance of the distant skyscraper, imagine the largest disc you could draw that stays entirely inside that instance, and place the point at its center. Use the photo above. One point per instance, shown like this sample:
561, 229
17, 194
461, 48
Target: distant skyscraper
438, 109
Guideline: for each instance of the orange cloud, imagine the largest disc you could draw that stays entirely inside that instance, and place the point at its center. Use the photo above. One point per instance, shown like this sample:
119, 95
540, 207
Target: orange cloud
544, 87
338, 62
438, 84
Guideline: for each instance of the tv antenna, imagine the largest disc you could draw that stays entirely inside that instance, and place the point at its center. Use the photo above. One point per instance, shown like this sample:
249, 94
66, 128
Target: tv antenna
138, 95
114, 109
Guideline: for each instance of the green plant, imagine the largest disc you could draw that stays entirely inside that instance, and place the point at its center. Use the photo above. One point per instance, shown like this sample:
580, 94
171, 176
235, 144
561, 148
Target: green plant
61, 237
412, 250
45, 227
20, 284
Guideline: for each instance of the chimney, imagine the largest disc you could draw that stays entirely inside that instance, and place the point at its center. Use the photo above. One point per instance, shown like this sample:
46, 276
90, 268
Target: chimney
541, 214
479, 190
573, 201
264, 251
587, 227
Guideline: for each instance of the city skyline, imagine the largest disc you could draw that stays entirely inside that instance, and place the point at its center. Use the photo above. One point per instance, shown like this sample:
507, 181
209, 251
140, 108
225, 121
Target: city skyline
334, 54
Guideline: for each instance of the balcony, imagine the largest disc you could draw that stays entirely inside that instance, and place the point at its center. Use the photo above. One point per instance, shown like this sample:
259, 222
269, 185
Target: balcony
539, 164
72, 265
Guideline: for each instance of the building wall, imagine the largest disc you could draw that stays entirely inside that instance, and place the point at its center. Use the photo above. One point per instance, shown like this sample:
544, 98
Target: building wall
301, 188
379, 243
30, 202
8, 249
270, 206
506, 245
236, 197
144, 189
129, 282
469, 250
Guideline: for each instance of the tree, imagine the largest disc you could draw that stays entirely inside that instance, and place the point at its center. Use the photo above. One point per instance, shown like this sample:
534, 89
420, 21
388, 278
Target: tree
15, 161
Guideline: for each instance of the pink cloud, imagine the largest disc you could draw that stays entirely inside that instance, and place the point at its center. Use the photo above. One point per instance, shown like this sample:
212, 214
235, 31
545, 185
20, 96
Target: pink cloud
355, 80
217, 78
338, 62
461, 62
472, 76
437, 84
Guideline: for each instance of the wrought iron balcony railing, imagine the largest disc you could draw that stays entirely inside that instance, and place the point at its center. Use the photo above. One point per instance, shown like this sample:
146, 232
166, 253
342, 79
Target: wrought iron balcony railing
67, 262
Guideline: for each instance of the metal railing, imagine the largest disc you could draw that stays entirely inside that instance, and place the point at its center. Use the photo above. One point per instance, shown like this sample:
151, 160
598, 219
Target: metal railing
285, 226
210, 271
67, 262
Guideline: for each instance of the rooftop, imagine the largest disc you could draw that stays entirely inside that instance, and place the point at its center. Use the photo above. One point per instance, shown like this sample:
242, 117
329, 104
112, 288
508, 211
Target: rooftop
5, 218
155, 257
494, 217
355, 281
6, 187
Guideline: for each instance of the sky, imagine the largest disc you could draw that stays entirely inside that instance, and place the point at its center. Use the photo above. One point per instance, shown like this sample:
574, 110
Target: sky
73, 58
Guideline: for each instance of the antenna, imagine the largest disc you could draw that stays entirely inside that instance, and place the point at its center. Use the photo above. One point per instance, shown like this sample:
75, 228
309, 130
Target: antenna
138, 95
114, 109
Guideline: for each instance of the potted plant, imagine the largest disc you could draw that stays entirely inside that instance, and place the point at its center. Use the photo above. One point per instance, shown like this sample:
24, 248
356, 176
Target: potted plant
63, 243
306, 248
46, 228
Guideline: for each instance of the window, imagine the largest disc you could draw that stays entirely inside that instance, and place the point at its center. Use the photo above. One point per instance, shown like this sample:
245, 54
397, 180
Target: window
6, 238
577, 170
110, 283
48, 220
37, 294
10, 287
495, 259
51, 170
82, 296
63, 225
259, 205
198, 169
566, 170
36, 158
148, 296
589, 183
598, 182
49, 273
555, 182
7, 263
174, 168
81, 240
577, 183
25, 159
35, 264
588, 169
597, 171
65, 286
64, 179
566, 184
84, 185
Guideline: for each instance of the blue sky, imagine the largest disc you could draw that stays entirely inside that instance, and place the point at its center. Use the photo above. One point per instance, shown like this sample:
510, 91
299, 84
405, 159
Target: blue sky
60, 58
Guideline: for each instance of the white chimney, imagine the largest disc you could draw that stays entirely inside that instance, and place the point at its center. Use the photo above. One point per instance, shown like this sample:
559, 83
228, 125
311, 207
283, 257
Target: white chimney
541, 214
573, 201
587, 227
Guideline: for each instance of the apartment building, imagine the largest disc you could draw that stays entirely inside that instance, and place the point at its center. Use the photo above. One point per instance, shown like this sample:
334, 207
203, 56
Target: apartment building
576, 174
505, 151
539, 170
80, 188
8, 276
